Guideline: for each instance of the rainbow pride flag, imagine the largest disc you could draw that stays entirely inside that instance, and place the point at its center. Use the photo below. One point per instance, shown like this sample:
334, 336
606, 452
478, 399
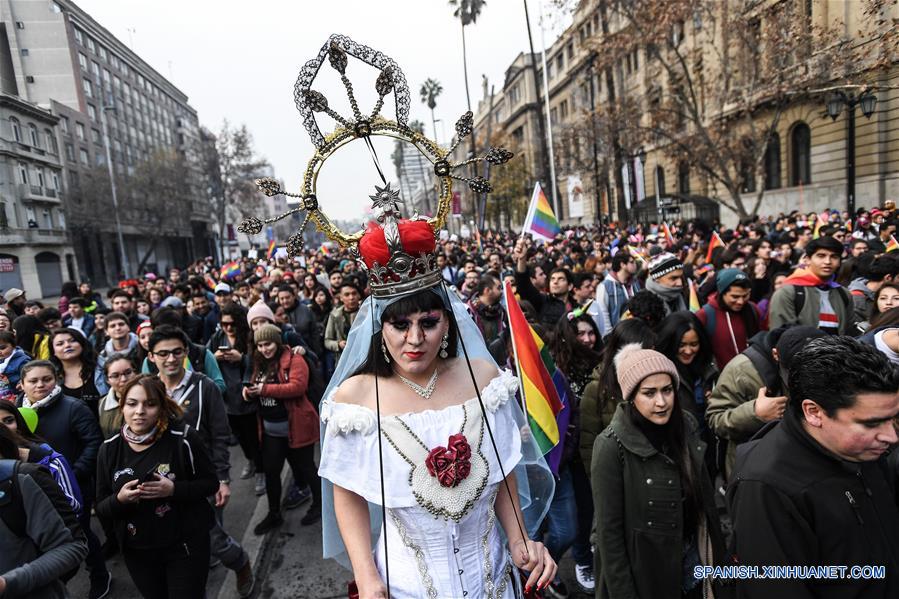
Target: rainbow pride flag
540, 221
666, 234
230, 269
714, 242
820, 222
893, 245
539, 379
272, 250
694, 297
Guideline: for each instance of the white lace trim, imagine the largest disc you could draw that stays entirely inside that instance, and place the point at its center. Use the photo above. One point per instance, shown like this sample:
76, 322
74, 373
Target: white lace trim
346, 418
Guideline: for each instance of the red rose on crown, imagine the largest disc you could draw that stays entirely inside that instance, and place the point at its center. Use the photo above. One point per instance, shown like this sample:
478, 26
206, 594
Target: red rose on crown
450, 465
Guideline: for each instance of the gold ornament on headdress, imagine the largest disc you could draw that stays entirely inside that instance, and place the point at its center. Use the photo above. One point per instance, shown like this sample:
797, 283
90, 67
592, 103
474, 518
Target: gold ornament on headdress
310, 102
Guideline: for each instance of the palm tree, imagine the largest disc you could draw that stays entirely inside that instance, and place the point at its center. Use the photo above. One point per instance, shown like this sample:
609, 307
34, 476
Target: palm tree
467, 11
430, 89
398, 159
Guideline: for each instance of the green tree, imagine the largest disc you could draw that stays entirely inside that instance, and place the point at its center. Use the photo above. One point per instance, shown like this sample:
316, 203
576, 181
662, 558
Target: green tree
430, 89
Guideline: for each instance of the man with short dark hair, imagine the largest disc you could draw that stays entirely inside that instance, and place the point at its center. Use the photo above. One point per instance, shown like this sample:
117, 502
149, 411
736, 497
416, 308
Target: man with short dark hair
550, 306
811, 296
873, 273
487, 309
301, 318
815, 488
78, 318
123, 303
204, 411
50, 318
341, 319
613, 293
201, 309
120, 341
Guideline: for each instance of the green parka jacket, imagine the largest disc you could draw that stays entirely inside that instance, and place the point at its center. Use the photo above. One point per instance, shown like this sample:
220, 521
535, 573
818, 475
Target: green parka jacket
637, 497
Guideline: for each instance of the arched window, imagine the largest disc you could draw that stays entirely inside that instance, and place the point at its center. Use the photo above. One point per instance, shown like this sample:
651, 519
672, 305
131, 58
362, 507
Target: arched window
16, 129
35, 138
800, 154
772, 162
660, 179
683, 178
52, 146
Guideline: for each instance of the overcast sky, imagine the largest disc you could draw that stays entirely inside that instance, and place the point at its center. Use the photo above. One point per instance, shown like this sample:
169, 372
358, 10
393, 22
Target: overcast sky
239, 60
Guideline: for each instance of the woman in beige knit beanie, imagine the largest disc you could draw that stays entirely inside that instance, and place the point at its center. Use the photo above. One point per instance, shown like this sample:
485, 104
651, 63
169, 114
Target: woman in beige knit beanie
656, 521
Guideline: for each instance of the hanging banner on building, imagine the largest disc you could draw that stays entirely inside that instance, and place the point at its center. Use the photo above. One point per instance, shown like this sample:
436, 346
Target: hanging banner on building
626, 184
638, 179
457, 204
575, 197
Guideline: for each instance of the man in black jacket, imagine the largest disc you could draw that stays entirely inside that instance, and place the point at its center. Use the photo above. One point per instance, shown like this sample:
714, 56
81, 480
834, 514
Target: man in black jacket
204, 411
550, 306
815, 489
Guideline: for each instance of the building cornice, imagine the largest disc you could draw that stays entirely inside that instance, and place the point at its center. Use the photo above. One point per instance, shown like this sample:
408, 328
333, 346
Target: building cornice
32, 110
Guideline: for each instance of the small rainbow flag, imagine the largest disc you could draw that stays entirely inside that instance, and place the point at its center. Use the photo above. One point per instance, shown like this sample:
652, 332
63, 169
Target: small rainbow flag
820, 222
230, 269
540, 221
666, 233
893, 245
537, 377
848, 225
715, 242
272, 249
694, 297
636, 254
324, 249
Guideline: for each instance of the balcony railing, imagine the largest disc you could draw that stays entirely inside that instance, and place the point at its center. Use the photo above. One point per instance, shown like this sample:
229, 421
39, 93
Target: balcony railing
38, 193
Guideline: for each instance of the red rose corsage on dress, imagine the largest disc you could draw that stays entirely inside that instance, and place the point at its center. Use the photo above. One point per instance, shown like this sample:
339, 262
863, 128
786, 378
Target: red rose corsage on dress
452, 464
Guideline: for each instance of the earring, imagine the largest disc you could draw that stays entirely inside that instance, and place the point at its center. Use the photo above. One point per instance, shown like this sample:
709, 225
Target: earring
443, 345
384, 351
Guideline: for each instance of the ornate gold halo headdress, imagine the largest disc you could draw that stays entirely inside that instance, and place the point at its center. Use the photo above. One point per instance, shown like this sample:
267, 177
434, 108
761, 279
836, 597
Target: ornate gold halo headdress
399, 255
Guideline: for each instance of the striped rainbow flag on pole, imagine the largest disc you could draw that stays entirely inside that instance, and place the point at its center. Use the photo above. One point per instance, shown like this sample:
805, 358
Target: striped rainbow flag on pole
539, 381
540, 221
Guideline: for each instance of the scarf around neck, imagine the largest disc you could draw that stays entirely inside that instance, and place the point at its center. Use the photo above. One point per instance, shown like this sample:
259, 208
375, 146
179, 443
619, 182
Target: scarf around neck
672, 296
145, 439
806, 278
26, 403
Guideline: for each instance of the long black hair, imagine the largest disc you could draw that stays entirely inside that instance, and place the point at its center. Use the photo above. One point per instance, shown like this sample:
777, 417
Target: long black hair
29, 330
422, 301
672, 331
87, 359
573, 358
241, 328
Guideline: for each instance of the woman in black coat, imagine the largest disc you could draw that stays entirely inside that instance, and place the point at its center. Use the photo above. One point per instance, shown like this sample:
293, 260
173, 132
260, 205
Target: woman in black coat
152, 481
656, 520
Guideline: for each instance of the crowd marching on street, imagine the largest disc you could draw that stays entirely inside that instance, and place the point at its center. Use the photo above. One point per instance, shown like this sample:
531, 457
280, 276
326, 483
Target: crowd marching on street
730, 396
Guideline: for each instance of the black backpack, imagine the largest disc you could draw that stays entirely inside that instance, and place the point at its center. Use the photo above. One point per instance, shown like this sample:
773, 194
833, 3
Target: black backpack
799, 298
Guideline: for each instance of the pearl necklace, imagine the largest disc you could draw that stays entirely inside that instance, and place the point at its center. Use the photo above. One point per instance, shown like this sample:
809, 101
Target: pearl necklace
425, 392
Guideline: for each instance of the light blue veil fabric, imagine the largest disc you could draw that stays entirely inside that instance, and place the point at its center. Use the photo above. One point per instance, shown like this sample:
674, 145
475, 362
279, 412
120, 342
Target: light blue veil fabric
536, 483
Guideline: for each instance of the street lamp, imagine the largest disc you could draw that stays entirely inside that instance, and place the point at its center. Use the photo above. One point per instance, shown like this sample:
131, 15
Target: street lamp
109, 104
834, 106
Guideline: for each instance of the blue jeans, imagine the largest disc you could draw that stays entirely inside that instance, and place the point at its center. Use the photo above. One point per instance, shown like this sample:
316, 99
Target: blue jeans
561, 519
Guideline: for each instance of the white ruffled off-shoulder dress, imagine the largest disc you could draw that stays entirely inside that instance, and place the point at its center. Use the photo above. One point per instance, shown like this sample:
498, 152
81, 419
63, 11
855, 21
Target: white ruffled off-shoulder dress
443, 536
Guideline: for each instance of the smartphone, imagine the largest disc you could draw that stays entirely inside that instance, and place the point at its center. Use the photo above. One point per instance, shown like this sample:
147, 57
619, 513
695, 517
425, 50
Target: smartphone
149, 475
223, 348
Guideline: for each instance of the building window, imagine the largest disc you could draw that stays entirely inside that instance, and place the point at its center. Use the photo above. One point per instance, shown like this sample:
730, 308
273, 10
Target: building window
4, 220
79, 37
48, 220
800, 155
772, 162
35, 137
95, 135
64, 124
82, 61
82, 155
70, 152
92, 112
683, 178
95, 67
79, 131
29, 216
55, 178
20, 25
23, 173
92, 45
86, 85
62, 218
16, 129
660, 180
24, 51
39, 171
103, 53
51, 142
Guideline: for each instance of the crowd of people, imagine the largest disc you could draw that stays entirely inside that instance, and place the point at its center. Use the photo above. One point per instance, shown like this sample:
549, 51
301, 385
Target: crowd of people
733, 397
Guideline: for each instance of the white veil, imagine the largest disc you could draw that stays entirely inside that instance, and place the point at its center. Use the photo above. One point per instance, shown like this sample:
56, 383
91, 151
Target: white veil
536, 483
